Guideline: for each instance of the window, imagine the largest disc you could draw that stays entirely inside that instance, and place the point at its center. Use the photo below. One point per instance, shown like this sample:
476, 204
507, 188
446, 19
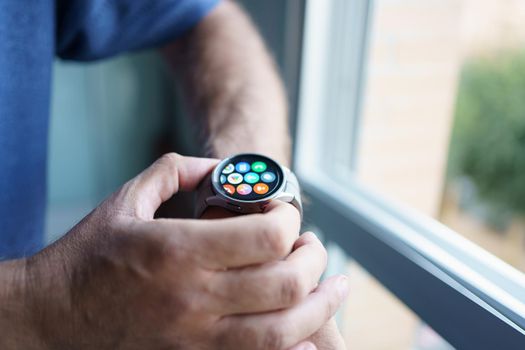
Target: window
410, 143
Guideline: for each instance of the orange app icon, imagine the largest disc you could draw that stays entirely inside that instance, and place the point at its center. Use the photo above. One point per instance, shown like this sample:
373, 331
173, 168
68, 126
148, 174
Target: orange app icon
260, 188
229, 188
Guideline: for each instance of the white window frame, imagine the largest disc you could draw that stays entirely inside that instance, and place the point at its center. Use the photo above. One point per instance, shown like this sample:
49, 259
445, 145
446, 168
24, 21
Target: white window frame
470, 297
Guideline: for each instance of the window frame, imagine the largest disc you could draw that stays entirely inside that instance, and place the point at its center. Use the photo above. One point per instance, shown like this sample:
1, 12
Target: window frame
470, 297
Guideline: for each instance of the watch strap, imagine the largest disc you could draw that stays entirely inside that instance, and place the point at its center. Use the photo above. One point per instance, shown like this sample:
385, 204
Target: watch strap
293, 188
204, 191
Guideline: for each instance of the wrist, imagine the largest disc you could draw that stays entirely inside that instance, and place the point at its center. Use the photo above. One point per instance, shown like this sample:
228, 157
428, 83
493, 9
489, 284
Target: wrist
16, 321
49, 299
279, 149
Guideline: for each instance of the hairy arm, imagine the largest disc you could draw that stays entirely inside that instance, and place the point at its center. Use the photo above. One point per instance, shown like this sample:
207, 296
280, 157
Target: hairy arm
231, 85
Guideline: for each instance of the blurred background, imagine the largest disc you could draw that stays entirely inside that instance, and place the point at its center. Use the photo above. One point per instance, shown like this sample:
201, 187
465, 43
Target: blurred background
441, 131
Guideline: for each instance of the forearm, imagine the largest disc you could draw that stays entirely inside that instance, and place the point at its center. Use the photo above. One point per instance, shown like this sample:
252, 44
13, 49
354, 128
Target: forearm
232, 86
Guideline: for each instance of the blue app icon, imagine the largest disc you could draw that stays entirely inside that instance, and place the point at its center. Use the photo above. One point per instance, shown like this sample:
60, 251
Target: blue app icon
268, 177
242, 167
223, 179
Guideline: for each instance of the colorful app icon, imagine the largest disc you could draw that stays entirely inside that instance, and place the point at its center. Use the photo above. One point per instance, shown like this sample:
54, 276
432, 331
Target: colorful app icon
260, 188
223, 179
235, 178
268, 177
258, 167
251, 178
242, 167
229, 188
244, 189
228, 169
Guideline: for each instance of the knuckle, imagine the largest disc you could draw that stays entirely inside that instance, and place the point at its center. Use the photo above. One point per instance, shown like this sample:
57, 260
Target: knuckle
251, 335
170, 161
168, 164
273, 236
238, 334
272, 338
170, 158
292, 289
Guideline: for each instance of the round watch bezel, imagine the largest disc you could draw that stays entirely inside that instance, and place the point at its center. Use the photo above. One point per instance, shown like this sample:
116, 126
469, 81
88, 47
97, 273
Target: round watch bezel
215, 180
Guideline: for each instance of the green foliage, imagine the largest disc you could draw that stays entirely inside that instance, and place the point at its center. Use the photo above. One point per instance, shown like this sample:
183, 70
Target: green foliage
488, 138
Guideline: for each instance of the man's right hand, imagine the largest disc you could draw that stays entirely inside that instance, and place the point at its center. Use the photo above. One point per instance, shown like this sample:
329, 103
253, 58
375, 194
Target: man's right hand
122, 279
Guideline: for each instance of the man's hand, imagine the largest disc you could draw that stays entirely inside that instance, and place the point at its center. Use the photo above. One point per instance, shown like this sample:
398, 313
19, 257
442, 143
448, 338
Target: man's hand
233, 89
328, 336
121, 279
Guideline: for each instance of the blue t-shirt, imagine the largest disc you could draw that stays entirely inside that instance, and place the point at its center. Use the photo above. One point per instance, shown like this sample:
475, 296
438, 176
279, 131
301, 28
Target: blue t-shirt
31, 34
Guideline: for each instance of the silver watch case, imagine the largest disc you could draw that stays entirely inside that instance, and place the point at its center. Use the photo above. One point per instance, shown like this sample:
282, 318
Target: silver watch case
288, 192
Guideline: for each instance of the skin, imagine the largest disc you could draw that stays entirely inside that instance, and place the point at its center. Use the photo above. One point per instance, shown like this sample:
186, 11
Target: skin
232, 89
231, 86
121, 279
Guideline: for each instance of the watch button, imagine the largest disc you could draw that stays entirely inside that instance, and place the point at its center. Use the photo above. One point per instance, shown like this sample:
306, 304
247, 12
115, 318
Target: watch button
234, 206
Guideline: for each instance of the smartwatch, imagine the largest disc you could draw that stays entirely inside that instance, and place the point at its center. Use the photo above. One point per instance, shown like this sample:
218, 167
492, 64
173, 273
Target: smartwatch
246, 183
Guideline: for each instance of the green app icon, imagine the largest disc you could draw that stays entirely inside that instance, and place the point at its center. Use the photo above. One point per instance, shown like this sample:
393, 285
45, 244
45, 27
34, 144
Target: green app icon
251, 178
258, 167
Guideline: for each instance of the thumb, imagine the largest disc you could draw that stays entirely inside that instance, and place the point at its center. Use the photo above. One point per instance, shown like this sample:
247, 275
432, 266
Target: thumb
328, 337
143, 195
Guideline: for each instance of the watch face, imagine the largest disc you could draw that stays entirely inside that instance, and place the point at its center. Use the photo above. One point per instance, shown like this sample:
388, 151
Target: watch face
248, 177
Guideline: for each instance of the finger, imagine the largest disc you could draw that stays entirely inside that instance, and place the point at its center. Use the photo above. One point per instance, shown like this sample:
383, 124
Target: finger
285, 328
233, 242
143, 195
305, 345
328, 337
271, 286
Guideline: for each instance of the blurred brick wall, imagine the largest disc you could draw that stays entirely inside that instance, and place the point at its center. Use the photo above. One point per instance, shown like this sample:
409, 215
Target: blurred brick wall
415, 56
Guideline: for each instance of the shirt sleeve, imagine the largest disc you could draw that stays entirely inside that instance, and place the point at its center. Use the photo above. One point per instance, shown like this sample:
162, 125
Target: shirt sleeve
93, 29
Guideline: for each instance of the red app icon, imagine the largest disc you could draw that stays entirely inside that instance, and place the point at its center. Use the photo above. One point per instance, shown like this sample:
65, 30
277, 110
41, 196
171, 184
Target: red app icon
260, 188
229, 188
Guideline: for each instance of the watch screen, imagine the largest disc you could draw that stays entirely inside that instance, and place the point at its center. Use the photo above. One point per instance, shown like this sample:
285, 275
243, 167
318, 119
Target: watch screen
249, 177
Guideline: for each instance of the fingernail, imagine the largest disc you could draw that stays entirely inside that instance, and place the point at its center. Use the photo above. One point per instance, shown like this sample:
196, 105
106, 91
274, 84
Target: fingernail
343, 287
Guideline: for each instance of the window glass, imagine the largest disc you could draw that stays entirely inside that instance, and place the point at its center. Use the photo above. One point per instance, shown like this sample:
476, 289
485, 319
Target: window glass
442, 125
372, 310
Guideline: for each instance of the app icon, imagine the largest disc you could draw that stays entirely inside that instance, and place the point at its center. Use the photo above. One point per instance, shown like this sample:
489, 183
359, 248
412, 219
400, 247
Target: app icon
244, 189
268, 177
251, 178
235, 178
228, 169
223, 179
242, 167
260, 188
258, 167
229, 189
